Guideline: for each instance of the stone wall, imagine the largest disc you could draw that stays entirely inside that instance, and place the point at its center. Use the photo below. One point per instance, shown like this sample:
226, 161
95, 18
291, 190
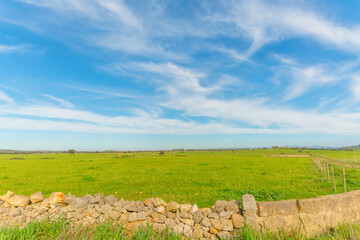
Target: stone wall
310, 216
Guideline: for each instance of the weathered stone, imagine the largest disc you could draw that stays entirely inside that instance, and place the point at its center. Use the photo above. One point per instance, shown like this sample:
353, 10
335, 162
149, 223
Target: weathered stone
159, 202
220, 206
205, 222
159, 227
178, 229
216, 223
37, 197
227, 225
141, 216
160, 209
198, 216
170, 215
225, 214
185, 207
213, 230
135, 226
158, 218
100, 195
188, 222
213, 215
206, 211
232, 206
14, 212
225, 235
193, 209
249, 208
170, 223
188, 231
56, 197
172, 207
133, 217
115, 215
111, 200
237, 220
198, 233
18, 200
186, 215
130, 207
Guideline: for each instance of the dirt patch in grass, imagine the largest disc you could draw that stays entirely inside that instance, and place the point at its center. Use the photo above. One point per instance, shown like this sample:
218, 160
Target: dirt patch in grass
291, 155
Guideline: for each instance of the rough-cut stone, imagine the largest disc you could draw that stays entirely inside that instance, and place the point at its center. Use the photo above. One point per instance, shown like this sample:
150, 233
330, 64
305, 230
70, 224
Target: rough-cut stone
216, 223
225, 235
172, 207
188, 231
225, 214
188, 222
198, 216
206, 211
193, 209
213, 215
159, 202
227, 225
37, 197
133, 217
237, 220
185, 207
186, 215
160, 209
232, 206
115, 215
249, 208
213, 230
56, 197
198, 233
18, 200
170, 215
170, 223
111, 200
158, 218
205, 222
178, 229
141, 216
135, 226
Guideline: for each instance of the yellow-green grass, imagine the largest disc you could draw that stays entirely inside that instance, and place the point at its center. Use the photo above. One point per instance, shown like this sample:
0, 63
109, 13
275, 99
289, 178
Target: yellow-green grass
199, 177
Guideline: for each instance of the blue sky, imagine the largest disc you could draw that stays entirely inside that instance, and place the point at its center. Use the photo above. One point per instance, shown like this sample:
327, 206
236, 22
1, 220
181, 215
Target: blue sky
111, 74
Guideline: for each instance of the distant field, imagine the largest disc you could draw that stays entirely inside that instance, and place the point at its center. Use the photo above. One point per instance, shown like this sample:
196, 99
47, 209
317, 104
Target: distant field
189, 177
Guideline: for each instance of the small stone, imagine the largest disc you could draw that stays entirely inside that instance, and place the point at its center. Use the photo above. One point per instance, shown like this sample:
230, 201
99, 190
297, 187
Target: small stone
198, 233
135, 226
160, 209
14, 212
198, 216
186, 215
141, 216
130, 207
193, 209
213, 215
56, 197
225, 235
188, 222
213, 231
171, 215
178, 229
37, 197
220, 206
232, 206
100, 195
225, 214
216, 223
172, 207
133, 217
188, 231
237, 220
157, 217
205, 222
170, 223
159, 202
111, 200
227, 225
115, 215
206, 211
18, 200
185, 207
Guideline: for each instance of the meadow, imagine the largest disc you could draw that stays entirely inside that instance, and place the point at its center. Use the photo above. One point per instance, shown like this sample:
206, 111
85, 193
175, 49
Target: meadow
200, 177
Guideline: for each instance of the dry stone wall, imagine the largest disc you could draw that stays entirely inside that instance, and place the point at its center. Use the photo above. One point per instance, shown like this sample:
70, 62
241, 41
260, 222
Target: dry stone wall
309, 216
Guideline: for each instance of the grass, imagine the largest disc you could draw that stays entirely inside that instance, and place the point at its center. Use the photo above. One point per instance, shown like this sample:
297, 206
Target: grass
61, 229
186, 177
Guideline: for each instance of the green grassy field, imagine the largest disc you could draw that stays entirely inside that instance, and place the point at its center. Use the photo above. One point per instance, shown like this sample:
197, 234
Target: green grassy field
190, 177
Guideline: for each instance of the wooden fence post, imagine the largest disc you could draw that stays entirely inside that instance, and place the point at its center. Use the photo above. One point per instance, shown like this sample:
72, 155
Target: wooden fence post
328, 172
332, 171
344, 178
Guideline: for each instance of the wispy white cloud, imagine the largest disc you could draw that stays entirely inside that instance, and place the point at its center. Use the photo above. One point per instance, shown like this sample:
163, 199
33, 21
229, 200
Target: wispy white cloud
263, 22
62, 102
13, 48
5, 98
